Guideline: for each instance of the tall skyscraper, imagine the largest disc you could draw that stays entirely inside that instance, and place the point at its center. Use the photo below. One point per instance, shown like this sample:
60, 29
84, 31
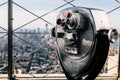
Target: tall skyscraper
46, 25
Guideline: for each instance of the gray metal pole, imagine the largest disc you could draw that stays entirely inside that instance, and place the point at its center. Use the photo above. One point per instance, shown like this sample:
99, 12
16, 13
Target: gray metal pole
10, 33
119, 59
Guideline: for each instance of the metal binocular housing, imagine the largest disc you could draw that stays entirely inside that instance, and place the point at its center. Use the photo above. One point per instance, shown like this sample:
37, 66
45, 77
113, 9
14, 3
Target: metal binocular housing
83, 36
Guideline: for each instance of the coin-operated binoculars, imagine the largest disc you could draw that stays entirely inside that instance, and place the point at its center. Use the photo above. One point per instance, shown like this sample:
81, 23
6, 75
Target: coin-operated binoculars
83, 37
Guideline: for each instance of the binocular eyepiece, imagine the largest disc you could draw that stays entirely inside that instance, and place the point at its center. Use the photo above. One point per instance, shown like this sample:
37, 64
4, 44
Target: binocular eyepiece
71, 20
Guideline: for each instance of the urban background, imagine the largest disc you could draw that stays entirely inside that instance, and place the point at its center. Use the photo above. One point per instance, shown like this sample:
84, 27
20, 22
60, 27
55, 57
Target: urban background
34, 49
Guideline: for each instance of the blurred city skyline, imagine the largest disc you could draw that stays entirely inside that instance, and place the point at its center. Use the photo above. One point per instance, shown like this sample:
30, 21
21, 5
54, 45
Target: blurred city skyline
34, 49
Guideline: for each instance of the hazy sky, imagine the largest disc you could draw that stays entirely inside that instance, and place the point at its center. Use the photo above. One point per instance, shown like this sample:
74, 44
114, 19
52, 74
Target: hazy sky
40, 7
